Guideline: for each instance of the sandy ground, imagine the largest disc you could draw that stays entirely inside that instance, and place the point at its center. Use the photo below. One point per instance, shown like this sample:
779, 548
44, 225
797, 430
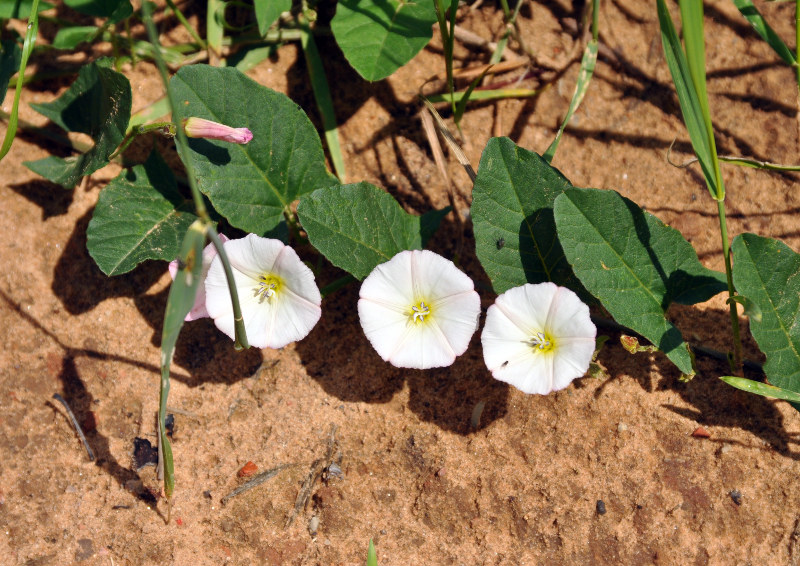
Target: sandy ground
525, 486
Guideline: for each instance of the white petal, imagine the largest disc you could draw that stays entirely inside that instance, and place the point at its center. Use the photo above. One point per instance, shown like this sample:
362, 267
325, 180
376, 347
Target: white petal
288, 317
424, 347
522, 311
385, 326
299, 279
253, 255
295, 318
457, 317
569, 316
528, 306
392, 288
436, 277
390, 282
572, 359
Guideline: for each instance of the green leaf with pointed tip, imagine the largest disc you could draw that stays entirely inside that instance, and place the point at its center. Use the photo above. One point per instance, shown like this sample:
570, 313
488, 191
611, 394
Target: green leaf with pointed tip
762, 28
359, 226
512, 215
634, 264
268, 11
378, 37
767, 272
251, 185
761, 389
98, 104
140, 215
372, 556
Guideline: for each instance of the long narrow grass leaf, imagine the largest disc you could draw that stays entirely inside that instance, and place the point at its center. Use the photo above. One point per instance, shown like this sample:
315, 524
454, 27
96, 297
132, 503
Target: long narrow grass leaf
584, 78
763, 29
322, 94
761, 388
688, 98
27, 48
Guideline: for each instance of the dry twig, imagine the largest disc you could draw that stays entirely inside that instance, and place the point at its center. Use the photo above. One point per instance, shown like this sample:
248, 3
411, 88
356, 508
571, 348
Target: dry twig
75, 424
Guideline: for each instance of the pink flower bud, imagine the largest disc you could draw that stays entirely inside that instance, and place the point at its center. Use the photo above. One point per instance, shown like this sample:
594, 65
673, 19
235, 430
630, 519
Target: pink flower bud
202, 128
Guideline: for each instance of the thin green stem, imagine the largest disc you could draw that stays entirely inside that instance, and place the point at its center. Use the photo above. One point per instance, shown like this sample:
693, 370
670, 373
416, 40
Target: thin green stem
726, 254
182, 19
166, 128
241, 337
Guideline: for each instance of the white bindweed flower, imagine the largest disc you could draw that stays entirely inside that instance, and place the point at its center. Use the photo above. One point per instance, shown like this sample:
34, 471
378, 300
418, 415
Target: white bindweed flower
199, 308
279, 299
418, 310
538, 338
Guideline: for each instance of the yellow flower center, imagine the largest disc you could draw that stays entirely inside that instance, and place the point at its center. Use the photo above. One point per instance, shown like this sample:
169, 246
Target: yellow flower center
419, 312
269, 286
540, 341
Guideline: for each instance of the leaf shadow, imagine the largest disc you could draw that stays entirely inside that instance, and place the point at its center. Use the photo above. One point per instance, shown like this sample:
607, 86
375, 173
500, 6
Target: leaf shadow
711, 402
216, 154
51, 198
207, 354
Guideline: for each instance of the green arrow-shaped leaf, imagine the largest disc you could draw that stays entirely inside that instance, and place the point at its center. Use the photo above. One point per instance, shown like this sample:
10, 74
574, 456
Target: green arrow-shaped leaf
635, 264
98, 104
140, 215
767, 272
378, 37
512, 215
359, 226
251, 185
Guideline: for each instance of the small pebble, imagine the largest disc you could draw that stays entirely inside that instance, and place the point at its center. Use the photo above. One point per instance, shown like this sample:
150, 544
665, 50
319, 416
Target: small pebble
601, 507
247, 470
622, 427
736, 495
725, 448
313, 526
85, 550
700, 432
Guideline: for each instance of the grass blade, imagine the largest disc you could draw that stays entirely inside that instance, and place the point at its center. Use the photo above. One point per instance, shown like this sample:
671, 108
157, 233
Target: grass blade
27, 48
584, 78
322, 94
372, 556
762, 28
689, 98
761, 388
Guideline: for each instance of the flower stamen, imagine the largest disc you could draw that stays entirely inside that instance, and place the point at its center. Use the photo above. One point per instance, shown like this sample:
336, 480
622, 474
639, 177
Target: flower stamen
539, 340
267, 287
420, 312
